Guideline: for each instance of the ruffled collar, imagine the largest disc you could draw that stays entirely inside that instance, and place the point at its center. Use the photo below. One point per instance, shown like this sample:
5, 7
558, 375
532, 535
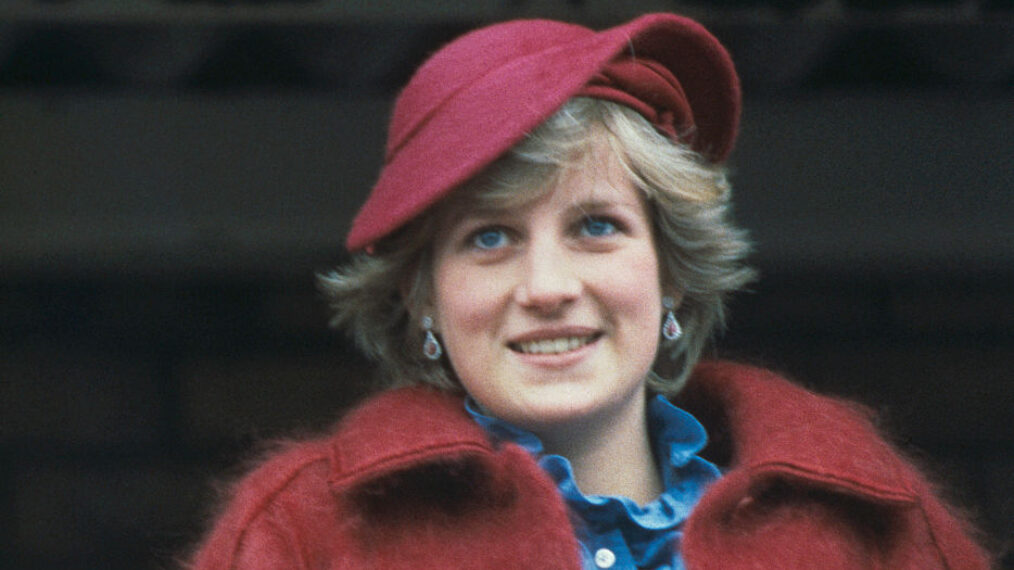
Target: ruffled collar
646, 534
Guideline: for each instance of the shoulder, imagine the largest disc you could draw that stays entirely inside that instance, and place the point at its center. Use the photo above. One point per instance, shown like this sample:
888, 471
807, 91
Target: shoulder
295, 496
407, 479
810, 480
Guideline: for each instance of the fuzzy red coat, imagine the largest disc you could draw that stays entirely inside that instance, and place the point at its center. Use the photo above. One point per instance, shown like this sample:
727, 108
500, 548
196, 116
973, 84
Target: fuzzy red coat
408, 480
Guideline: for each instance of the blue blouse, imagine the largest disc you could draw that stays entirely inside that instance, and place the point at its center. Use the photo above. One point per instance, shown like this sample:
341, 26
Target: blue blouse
617, 532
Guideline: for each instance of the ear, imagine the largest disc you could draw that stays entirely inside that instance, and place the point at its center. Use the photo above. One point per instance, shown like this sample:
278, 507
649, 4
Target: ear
416, 308
668, 284
675, 295
425, 310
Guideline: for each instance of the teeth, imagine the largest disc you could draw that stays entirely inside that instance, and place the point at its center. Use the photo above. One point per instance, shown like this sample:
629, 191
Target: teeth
554, 345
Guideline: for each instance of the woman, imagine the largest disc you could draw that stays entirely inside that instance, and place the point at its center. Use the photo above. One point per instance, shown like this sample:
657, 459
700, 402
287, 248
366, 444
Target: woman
539, 268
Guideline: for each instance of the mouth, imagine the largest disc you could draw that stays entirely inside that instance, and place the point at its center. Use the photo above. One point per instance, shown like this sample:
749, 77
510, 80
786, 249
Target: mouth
553, 345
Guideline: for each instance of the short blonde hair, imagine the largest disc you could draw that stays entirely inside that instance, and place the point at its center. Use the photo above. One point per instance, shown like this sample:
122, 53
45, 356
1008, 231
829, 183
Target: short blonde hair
376, 297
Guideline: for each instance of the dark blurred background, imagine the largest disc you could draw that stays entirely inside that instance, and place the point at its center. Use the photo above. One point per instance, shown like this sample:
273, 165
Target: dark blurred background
174, 173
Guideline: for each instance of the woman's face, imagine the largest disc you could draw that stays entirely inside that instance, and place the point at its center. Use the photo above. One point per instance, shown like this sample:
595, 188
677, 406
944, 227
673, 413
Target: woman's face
550, 313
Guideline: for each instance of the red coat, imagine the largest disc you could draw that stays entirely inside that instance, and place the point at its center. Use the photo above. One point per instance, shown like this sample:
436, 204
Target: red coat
409, 480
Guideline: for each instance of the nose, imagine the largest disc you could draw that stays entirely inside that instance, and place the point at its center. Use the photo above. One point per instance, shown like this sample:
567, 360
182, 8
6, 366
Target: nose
549, 280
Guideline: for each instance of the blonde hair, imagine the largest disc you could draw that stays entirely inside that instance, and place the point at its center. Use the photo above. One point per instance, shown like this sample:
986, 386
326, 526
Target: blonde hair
376, 297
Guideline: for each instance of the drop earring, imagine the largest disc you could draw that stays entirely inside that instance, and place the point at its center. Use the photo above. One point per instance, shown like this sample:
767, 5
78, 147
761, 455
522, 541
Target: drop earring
670, 327
431, 346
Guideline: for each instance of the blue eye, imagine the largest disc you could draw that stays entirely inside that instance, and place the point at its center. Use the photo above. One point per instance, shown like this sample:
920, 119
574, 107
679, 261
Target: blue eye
490, 238
597, 227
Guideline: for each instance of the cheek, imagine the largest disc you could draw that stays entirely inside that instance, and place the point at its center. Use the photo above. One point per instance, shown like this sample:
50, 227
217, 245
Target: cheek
635, 283
465, 316
463, 301
640, 294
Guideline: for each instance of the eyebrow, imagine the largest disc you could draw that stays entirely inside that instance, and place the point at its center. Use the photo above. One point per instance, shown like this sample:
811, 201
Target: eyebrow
598, 205
491, 212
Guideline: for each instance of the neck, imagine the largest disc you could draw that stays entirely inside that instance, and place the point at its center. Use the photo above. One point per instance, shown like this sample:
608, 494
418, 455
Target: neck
611, 457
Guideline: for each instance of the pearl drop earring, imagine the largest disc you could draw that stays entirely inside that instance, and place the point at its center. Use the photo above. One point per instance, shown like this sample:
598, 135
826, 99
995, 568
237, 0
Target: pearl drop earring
671, 329
431, 346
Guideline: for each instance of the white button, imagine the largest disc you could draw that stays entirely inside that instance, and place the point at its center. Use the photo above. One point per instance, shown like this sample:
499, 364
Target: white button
604, 558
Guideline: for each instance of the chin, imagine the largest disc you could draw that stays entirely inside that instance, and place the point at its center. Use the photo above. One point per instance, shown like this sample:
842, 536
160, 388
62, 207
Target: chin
566, 407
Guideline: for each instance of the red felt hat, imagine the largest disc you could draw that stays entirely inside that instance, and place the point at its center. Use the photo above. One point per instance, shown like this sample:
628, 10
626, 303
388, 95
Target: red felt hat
479, 95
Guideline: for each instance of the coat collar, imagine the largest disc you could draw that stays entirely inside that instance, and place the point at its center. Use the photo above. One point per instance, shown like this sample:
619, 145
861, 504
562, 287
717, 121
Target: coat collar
402, 429
761, 424
773, 428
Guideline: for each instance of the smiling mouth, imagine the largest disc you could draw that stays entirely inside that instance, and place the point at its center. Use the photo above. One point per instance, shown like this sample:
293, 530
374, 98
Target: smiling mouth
553, 345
